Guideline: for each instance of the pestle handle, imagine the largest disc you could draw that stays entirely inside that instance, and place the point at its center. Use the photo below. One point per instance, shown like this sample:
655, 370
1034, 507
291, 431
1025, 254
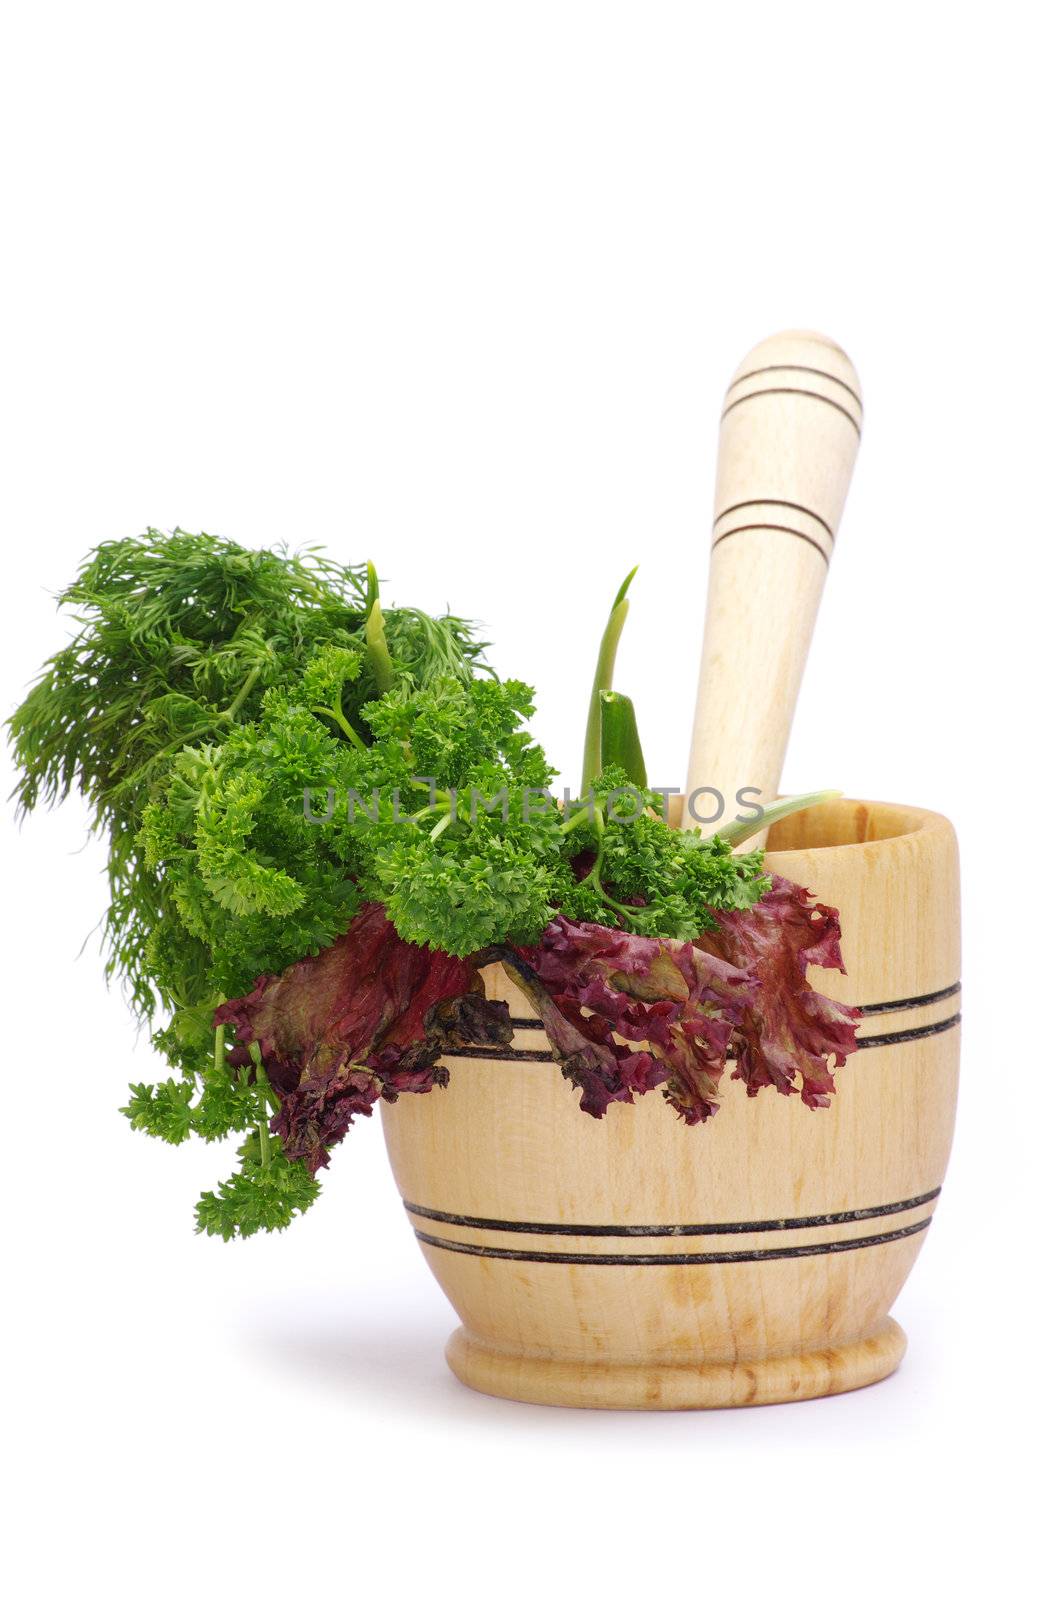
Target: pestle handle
790, 430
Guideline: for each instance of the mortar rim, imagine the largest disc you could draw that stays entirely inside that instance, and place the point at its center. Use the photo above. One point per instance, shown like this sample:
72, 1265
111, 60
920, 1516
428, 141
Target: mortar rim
918, 823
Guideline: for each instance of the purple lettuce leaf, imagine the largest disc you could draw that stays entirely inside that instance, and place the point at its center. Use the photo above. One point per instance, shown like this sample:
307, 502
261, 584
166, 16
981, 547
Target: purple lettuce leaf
366, 1019
678, 1002
793, 1037
739, 990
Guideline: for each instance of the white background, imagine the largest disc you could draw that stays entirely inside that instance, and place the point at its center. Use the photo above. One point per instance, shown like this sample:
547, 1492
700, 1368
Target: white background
460, 287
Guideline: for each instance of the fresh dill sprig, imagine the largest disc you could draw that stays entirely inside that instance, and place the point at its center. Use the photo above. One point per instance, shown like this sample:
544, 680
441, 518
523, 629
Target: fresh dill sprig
207, 684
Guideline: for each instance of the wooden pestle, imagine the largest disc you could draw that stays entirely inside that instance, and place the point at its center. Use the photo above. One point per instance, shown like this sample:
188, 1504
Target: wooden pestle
790, 429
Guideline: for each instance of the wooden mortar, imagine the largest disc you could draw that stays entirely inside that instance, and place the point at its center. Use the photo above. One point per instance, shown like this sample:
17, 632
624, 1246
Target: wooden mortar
635, 1262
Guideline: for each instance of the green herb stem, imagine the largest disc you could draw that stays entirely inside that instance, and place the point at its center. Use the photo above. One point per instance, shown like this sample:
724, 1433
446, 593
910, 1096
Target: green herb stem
592, 760
262, 1081
248, 683
737, 831
337, 716
377, 651
577, 818
619, 740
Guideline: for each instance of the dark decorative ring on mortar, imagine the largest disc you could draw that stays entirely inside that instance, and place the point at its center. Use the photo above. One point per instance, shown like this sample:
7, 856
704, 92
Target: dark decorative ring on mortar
678, 1230
707, 1258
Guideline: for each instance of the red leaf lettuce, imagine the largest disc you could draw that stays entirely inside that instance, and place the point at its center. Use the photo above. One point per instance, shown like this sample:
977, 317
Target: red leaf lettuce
740, 989
369, 1018
365, 1019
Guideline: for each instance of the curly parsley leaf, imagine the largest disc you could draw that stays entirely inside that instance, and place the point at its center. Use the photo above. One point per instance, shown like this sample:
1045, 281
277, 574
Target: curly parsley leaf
266, 1193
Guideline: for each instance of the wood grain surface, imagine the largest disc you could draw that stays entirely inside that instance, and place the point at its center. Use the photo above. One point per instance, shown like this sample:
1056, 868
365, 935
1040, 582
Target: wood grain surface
636, 1262
790, 429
